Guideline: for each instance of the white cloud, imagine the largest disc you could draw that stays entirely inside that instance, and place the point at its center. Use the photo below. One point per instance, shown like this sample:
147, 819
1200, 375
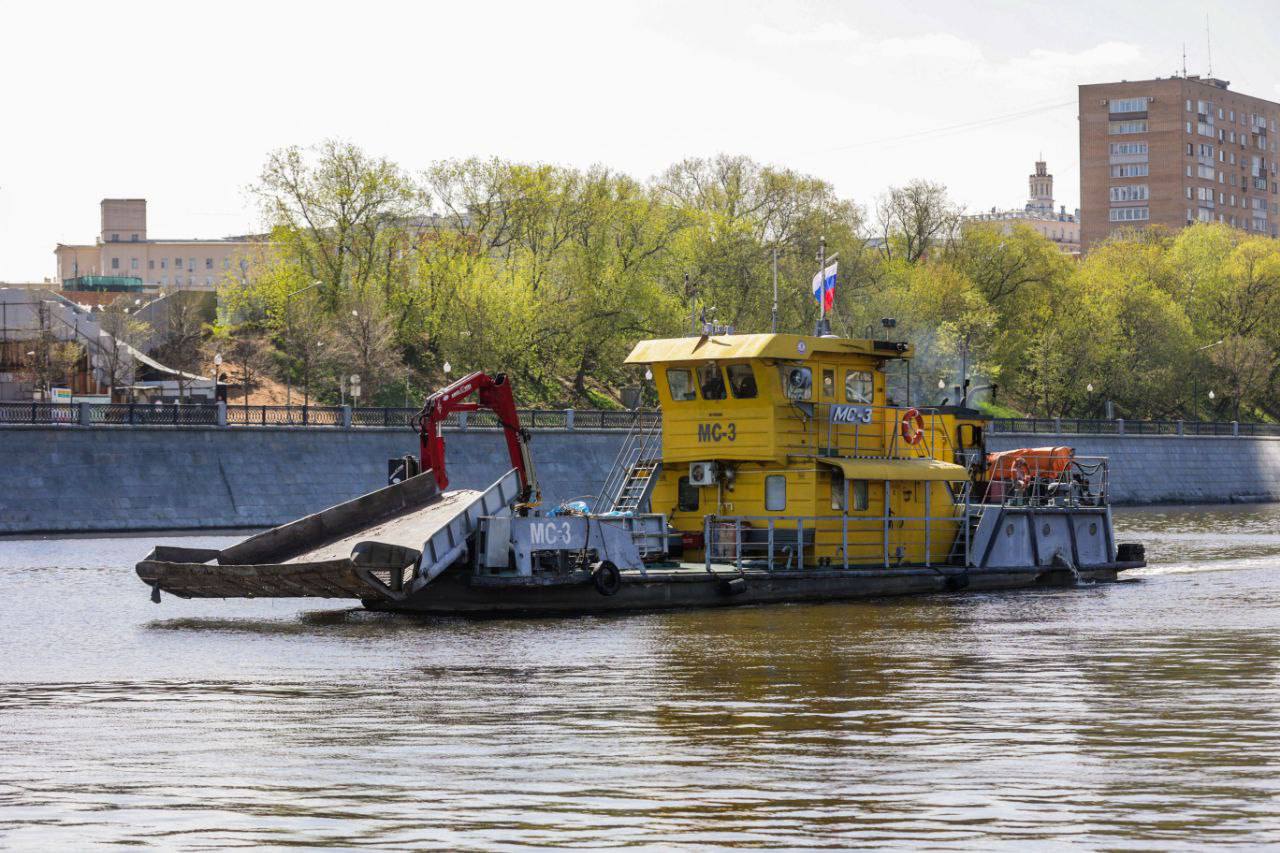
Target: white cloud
929, 46
1040, 67
828, 33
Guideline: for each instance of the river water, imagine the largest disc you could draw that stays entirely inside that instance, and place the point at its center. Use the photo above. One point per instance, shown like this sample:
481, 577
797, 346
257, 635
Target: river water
1139, 715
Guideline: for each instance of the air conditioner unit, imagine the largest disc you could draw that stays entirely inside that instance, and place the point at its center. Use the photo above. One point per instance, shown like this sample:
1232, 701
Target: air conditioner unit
703, 473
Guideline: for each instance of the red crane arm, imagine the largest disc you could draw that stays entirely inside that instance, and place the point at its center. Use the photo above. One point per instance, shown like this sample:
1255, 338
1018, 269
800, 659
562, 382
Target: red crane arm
493, 393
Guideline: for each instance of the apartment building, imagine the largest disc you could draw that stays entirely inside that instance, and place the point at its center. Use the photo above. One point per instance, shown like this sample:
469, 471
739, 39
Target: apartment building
1175, 151
125, 258
1038, 213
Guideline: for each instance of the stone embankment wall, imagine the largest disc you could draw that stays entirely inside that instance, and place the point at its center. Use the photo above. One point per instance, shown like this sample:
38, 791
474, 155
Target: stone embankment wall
72, 479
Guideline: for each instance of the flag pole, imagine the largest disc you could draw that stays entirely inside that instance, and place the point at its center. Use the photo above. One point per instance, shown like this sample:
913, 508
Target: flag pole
822, 294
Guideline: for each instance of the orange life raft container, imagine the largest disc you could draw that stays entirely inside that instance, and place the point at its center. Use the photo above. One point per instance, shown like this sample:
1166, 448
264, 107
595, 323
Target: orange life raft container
1045, 462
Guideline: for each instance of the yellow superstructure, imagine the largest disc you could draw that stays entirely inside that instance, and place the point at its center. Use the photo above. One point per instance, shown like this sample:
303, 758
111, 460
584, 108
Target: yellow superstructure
786, 447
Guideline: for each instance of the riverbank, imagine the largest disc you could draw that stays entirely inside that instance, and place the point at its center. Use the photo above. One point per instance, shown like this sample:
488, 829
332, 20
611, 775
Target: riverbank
104, 478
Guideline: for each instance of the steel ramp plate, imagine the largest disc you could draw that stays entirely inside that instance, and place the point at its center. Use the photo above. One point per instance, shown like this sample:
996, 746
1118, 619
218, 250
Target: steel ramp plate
326, 570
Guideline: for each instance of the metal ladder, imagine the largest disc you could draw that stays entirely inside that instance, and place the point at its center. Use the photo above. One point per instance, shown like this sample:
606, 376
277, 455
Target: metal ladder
636, 468
973, 518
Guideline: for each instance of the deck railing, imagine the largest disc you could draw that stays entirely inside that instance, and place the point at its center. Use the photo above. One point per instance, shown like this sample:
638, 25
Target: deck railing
865, 431
790, 542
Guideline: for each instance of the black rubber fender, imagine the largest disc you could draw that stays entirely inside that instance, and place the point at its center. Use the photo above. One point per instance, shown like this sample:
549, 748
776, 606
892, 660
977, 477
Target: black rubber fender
607, 578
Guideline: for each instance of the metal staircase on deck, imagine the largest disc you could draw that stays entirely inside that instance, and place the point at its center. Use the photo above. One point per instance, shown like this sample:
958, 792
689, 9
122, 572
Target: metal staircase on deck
635, 471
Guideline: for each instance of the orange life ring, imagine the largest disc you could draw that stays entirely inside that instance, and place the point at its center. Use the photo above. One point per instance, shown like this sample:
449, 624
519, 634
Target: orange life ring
912, 426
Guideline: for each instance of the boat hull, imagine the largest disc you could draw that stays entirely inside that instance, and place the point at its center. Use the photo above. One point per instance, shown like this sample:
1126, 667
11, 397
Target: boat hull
459, 592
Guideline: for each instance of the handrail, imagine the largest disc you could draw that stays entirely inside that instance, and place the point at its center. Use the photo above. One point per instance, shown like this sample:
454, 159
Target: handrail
1123, 426
865, 431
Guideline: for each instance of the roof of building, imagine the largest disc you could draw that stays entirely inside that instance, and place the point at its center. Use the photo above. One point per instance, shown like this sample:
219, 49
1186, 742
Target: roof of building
779, 346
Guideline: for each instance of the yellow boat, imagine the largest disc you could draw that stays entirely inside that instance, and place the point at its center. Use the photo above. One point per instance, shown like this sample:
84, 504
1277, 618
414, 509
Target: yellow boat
778, 470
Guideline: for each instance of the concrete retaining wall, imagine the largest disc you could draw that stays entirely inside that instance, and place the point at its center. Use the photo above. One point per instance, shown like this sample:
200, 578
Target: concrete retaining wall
65, 479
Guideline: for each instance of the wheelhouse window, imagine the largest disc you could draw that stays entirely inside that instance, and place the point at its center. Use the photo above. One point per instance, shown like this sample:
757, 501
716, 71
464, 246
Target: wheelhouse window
711, 382
775, 492
858, 386
797, 382
742, 381
680, 381
828, 384
857, 493
686, 496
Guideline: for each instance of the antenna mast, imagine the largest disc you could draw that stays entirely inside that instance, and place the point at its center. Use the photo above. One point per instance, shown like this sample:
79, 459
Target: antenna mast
1208, 44
1184, 60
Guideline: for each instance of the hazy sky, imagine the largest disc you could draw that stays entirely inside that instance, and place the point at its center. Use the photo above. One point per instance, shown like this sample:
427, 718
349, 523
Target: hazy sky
180, 103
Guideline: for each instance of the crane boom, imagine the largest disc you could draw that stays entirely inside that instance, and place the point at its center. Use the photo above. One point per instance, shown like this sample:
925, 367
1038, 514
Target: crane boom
492, 393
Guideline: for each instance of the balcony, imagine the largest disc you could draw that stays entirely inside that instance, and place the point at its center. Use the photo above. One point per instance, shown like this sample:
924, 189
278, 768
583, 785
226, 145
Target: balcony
103, 283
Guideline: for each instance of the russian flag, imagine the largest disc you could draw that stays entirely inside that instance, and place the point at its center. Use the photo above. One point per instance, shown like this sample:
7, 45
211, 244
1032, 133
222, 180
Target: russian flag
824, 286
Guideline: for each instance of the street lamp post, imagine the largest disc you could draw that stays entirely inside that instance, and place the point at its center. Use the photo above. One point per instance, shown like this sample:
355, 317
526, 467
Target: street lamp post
217, 373
288, 333
1195, 383
355, 390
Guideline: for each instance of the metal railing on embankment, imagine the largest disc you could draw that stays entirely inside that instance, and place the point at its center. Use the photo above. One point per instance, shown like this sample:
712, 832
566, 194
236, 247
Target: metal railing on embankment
221, 415
1121, 426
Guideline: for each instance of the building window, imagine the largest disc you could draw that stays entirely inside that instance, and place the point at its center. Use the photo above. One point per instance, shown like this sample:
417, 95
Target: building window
164, 281
177, 263
775, 492
742, 381
115, 263
164, 263
133, 263
1205, 172
1128, 148
1134, 126
1130, 214
133, 238
1130, 192
1131, 170
226, 263
191, 264
1128, 105
115, 238
208, 263
680, 382
151, 264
